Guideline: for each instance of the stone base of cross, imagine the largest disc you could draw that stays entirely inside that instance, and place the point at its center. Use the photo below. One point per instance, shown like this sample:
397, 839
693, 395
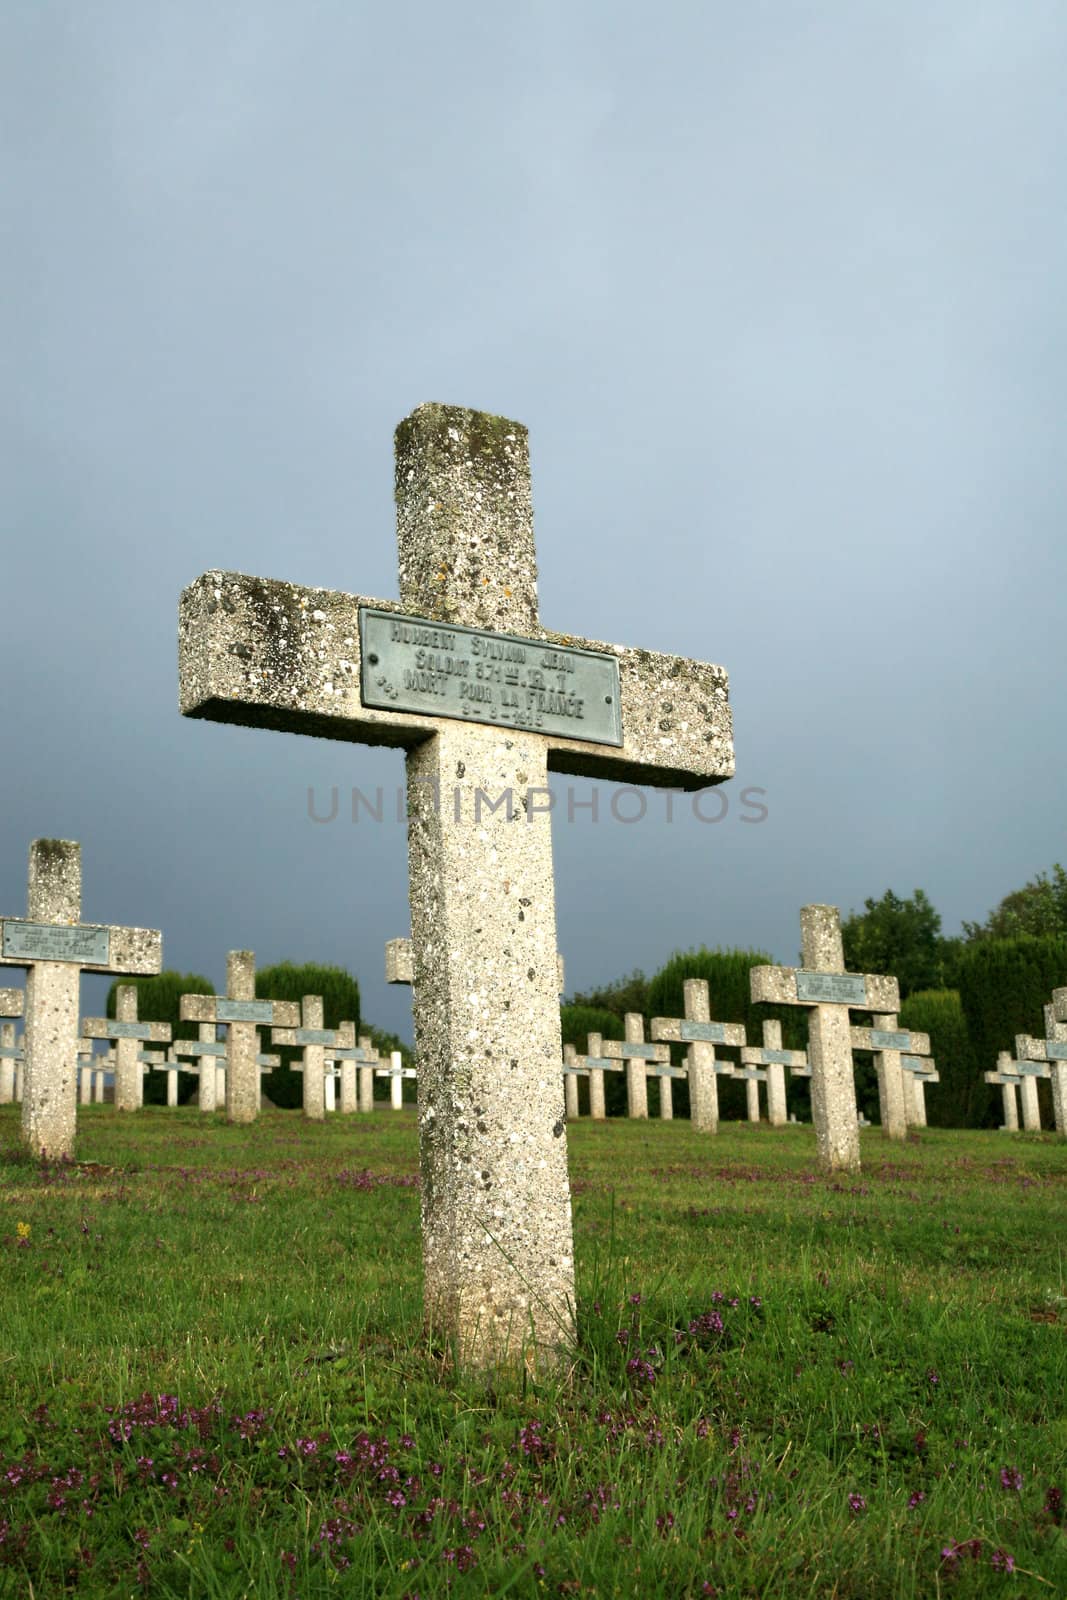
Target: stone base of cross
829, 993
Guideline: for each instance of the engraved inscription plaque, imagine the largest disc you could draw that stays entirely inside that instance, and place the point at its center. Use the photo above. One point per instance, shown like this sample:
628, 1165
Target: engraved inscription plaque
831, 988
1032, 1069
1055, 1051
702, 1032
46, 941
783, 1058
314, 1036
918, 1065
880, 1040
244, 1010
444, 670
130, 1030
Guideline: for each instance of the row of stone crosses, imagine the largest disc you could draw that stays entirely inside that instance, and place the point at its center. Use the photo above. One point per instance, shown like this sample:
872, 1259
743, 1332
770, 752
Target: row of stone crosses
485, 701
230, 1071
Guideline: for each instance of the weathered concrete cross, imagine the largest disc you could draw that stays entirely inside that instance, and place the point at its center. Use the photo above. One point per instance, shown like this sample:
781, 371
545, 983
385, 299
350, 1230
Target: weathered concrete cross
314, 1038
596, 1064
1053, 1050
1009, 1079
917, 1072
486, 701
350, 1055
11, 1004
775, 1060
129, 1035
396, 1072
636, 1055
823, 985
888, 1042
702, 1035
206, 1052
240, 1012
55, 947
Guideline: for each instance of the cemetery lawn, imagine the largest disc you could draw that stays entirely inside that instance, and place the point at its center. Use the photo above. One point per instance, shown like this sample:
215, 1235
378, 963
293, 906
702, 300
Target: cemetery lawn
215, 1382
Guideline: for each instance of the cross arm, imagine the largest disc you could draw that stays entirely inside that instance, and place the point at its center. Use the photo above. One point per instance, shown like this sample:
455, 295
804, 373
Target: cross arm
123, 951
219, 1009
900, 1039
751, 1056
798, 986
1029, 1049
270, 654
678, 1030
624, 1050
108, 1028
199, 1047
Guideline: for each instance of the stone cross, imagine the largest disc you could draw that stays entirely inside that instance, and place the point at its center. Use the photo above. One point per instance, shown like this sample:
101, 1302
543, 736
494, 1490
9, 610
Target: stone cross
1053, 1050
1030, 1066
829, 992
753, 1076
635, 1054
85, 1072
571, 1073
697, 1030
918, 1071
462, 674
11, 1004
12, 1057
596, 1064
775, 1060
396, 1072
128, 1035
55, 947
350, 1055
666, 1096
206, 1051
1009, 1079
314, 1038
888, 1042
240, 1012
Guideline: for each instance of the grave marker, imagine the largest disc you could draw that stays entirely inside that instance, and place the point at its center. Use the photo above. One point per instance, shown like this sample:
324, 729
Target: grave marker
701, 1034
888, 1042
775, 1060
241, 1013
315, 1039
396, 1072
596, 1064
635, 1054
12, 1002
55, 947
128, 1035
1009, 1079
463, 675
571, 1073
830, 993
918, 1071
1052, 1049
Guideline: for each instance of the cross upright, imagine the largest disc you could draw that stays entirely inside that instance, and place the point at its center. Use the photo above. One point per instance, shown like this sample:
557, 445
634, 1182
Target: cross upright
917, 1072
1008, 1078
55, 947
241, 1013
888, 1042
571, 1073
1052, 1049
486, 701
11, 1004
129, 1035
701, 1034
829, 992
775, 1060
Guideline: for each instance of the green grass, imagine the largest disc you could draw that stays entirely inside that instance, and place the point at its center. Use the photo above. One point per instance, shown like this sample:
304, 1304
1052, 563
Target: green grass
215, 1382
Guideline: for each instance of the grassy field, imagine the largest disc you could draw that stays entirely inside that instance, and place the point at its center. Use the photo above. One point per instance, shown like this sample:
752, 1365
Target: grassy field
215, 1383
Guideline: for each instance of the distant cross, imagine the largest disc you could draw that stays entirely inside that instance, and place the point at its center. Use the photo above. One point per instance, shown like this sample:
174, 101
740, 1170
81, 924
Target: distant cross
571, 1073
55, 947
315, 1040
918, 1071
206, 1051
129, 1035
396, 1072
775, 1060
241, 1013
701, 1034
1009, 1079
596, 1063
635, 1055
829, 992
753, 1076
1053, 1050
362, 1057
664, 1073
11, 1004
1031, 1063
85, 1071
889, 1042
486, 701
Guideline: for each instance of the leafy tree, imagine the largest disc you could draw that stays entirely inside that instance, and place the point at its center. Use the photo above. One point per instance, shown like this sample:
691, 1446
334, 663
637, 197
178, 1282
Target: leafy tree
625, 994
901, 938
159, 1000
959, 1099
340, 1003
1039, 909
1004, 987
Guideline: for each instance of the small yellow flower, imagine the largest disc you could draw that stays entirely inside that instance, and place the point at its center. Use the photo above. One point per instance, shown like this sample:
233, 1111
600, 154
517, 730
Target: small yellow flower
23, 1230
